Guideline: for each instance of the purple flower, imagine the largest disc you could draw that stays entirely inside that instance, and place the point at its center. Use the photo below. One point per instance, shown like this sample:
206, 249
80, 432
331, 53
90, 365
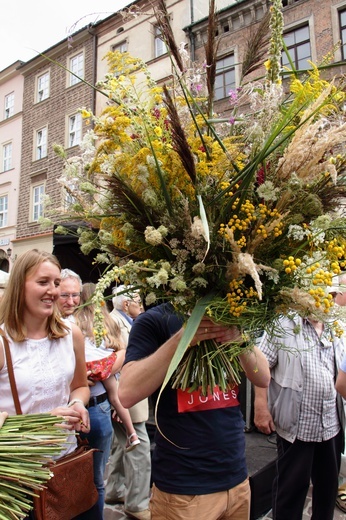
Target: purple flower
233, 97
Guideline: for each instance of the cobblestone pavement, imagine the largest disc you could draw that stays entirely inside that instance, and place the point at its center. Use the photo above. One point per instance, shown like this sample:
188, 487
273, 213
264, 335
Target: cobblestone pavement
116, 512
260, 449
338, 515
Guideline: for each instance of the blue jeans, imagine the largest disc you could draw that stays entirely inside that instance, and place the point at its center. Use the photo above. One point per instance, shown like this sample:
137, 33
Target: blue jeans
100, 437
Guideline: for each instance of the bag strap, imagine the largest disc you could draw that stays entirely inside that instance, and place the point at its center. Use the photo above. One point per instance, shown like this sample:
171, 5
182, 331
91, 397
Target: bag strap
11, 373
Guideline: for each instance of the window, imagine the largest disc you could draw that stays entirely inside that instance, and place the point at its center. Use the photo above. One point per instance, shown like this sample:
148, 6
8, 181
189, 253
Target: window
342, 17
160, 46
120, 47
3, 210
74, 129
225, 76
41, 143
9, 105
6, 157
68, 197
77, 67
37, 201
42, 87
285, 3
298, 47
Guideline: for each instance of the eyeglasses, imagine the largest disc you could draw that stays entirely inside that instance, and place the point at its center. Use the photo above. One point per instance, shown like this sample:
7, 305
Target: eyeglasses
66, 296
136, 300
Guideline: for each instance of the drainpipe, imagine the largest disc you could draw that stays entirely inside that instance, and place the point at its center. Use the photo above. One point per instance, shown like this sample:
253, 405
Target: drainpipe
94, 67
191, 35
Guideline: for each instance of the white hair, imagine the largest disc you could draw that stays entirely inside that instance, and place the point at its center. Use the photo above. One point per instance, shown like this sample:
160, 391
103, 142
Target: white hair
68, 273
127, 293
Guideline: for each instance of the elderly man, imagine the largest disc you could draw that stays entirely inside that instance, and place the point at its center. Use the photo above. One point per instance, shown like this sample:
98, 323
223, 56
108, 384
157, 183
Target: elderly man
70, 291
303, 407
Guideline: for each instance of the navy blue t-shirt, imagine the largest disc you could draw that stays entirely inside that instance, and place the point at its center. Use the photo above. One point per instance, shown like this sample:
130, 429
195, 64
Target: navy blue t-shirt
204, 448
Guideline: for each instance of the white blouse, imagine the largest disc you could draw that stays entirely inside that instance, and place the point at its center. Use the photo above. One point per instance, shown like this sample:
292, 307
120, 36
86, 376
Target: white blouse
43, 370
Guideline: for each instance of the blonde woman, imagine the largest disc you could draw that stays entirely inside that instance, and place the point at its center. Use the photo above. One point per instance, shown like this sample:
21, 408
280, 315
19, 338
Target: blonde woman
47, 352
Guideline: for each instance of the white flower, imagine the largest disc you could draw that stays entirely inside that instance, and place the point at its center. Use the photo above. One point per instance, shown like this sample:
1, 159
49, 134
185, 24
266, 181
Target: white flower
88, 187
152, 162
198, 268
247, 266
105, 237
197, 228
163, 231
150, 298
199, 282
143, 172
150, 197
152, 236
294, 181
161, 278
318, 236
102, 258
267, 191
273, 275
178, 284
296, 232
174, 243
183, 53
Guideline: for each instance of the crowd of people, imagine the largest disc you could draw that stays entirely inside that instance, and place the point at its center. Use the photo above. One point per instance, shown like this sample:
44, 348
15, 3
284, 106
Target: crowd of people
198, 467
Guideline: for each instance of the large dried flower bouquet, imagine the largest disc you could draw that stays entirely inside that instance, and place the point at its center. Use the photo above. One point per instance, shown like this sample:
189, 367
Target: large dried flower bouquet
240, 218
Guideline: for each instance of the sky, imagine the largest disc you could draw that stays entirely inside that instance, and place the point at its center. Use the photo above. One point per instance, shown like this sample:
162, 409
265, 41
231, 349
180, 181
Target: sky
32, 26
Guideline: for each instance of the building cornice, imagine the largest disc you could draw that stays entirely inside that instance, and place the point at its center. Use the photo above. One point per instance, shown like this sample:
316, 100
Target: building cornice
10, 72
56, 50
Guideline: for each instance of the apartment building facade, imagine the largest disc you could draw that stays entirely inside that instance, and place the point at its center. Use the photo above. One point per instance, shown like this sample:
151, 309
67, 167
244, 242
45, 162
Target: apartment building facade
11, 94
51, 100
52, 95
139, 35
312, 30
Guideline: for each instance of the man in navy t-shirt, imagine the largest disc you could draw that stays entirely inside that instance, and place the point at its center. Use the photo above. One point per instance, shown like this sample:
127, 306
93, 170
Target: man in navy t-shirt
198, 467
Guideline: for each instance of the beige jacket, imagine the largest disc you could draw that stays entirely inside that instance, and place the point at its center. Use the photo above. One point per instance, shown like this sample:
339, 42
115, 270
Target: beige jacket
140, 411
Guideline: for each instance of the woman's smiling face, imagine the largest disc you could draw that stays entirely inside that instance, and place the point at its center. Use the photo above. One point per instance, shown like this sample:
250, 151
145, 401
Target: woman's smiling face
42, 289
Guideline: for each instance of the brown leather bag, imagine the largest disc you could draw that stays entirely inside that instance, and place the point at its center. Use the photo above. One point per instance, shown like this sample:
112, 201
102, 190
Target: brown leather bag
71, 491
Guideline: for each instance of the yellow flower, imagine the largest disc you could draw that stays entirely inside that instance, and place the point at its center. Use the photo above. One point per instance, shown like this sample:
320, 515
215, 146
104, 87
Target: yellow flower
85, 113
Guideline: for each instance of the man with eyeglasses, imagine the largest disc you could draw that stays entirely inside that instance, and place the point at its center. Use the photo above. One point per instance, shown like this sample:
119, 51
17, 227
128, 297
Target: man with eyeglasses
70, 290
100, 436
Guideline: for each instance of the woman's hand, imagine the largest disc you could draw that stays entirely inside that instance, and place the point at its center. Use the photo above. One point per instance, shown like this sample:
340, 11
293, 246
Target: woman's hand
75, 417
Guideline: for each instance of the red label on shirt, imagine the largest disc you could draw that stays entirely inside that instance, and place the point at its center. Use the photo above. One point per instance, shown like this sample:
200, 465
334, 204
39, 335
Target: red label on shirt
196, 402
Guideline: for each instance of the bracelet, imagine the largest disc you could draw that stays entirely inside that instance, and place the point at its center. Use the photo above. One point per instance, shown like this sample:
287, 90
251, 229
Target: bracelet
74, 401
